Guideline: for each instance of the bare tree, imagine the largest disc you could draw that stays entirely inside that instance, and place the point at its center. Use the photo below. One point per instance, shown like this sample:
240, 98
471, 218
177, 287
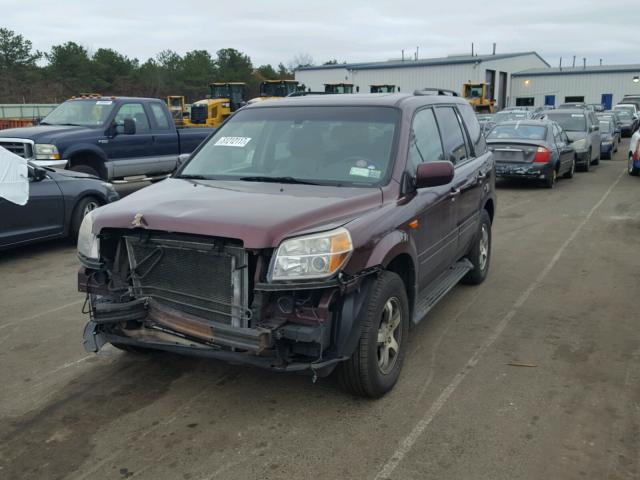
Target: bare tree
300, 60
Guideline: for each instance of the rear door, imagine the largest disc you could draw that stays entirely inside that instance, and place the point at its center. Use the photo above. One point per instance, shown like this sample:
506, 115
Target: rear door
436, 236
469, 176
131, 154
164, 139
565, 152
41, 217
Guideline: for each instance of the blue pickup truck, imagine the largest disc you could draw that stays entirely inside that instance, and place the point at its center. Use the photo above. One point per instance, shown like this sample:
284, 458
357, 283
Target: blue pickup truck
109, 137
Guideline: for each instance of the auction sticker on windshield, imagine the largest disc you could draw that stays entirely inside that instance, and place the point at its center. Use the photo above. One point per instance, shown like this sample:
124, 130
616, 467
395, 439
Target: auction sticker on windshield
104, 102
364, 172
232, 141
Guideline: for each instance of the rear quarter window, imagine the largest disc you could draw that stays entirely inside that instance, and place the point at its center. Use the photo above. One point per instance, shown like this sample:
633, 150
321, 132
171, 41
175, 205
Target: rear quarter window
473, 128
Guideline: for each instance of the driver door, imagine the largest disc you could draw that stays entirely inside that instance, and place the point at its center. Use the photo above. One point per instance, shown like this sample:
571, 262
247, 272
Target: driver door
41, 217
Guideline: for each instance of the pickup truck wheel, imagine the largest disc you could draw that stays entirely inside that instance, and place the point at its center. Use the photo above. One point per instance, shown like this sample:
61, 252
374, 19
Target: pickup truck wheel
85, 169
83, 207
375, 366
480, 253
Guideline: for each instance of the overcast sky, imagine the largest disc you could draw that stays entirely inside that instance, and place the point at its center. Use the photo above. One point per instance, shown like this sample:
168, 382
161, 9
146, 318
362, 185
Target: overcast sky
273, 31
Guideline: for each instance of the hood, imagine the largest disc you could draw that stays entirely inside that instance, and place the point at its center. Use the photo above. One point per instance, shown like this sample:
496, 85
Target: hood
573, 136
42, 133
72, 174
259, 214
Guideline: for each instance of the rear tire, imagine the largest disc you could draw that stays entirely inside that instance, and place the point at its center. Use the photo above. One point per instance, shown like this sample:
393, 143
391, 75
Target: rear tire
634, 172
550, 179
84, 206
571, 171
384, 319
480, 253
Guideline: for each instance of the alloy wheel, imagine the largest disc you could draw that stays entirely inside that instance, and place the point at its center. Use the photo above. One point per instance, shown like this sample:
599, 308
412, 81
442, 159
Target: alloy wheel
484, 247
389, 335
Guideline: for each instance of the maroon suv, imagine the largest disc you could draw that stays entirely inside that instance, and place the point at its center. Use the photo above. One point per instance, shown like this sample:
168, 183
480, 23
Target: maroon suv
304, 235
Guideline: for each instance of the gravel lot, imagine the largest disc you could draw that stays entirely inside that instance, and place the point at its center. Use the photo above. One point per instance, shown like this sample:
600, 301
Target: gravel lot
561, 298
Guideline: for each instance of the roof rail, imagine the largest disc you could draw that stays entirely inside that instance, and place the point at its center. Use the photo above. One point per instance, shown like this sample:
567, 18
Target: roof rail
436, 91
304, 94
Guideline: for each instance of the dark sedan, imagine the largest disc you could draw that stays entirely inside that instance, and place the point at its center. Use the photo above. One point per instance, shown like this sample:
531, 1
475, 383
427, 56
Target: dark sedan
58, 201
533, 149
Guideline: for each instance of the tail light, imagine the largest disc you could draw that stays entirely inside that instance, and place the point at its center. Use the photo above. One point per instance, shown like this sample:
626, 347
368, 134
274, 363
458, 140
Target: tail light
542, 155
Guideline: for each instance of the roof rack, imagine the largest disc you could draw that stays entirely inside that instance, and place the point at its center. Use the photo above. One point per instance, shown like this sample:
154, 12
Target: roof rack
436, 91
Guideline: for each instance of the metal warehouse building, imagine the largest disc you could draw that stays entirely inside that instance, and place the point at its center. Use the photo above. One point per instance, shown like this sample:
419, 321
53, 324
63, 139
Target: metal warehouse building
605, 84
447, 72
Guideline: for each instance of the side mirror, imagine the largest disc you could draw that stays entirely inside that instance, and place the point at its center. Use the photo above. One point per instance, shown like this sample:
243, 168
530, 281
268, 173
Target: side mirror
434, 174
38, 174
129, 126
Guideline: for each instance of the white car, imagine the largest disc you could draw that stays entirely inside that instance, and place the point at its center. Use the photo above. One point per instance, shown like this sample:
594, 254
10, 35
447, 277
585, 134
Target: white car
634, 154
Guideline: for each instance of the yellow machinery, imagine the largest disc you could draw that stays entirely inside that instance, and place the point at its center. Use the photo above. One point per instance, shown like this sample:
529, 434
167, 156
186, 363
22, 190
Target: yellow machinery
271, 89
178, 108
379, 88
338, 88
477, 94
224, 99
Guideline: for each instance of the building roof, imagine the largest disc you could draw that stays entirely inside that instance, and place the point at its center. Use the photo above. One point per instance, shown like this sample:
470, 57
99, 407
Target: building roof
427, 62
536, 72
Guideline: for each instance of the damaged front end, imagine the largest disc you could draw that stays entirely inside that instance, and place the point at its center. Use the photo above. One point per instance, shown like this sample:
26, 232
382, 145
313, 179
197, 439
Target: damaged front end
210, 297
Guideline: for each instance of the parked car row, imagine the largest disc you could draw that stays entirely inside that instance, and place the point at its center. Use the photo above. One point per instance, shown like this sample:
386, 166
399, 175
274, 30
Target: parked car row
544, 144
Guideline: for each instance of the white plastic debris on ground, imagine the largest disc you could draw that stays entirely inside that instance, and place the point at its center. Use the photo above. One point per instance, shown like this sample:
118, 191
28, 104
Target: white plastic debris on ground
14, 177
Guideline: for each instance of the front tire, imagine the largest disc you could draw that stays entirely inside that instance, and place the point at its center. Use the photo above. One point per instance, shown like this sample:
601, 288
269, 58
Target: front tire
480, 253
85, 169
83, 207
375, 365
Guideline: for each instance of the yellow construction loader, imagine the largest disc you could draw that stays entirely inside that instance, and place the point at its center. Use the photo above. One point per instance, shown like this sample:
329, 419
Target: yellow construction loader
383, 88
273, 89
224, 99
178, 108
477, 94
338, 88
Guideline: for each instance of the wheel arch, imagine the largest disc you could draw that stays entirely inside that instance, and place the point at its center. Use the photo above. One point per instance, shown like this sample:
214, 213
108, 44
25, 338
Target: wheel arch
89, 156
490, 207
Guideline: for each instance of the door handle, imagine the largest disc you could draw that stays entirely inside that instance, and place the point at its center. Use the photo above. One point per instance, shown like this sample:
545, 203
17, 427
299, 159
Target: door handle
481, 176
453, 194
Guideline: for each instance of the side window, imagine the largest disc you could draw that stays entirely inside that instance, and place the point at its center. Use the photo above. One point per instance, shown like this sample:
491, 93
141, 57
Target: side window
452, 135
425, 140
473, 127
160, 116
136, 112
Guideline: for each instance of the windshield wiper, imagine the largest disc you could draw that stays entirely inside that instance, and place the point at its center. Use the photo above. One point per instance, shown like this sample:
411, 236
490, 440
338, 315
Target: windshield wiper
193, 177
258, 178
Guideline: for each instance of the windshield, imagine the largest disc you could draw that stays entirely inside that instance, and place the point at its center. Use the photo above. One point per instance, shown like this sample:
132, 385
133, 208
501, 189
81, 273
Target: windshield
86, 113
325, 145
626, 108
219, 91
570, 122
518, 131
511, 115
473, 91
624, 114
278, 89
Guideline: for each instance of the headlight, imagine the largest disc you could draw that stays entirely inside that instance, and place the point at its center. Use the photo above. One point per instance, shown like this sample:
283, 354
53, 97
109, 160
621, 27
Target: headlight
45, 151
578, 144
312, 256
88, 242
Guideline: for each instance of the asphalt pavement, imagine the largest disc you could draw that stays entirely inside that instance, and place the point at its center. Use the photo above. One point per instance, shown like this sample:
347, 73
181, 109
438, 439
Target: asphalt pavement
533, 374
